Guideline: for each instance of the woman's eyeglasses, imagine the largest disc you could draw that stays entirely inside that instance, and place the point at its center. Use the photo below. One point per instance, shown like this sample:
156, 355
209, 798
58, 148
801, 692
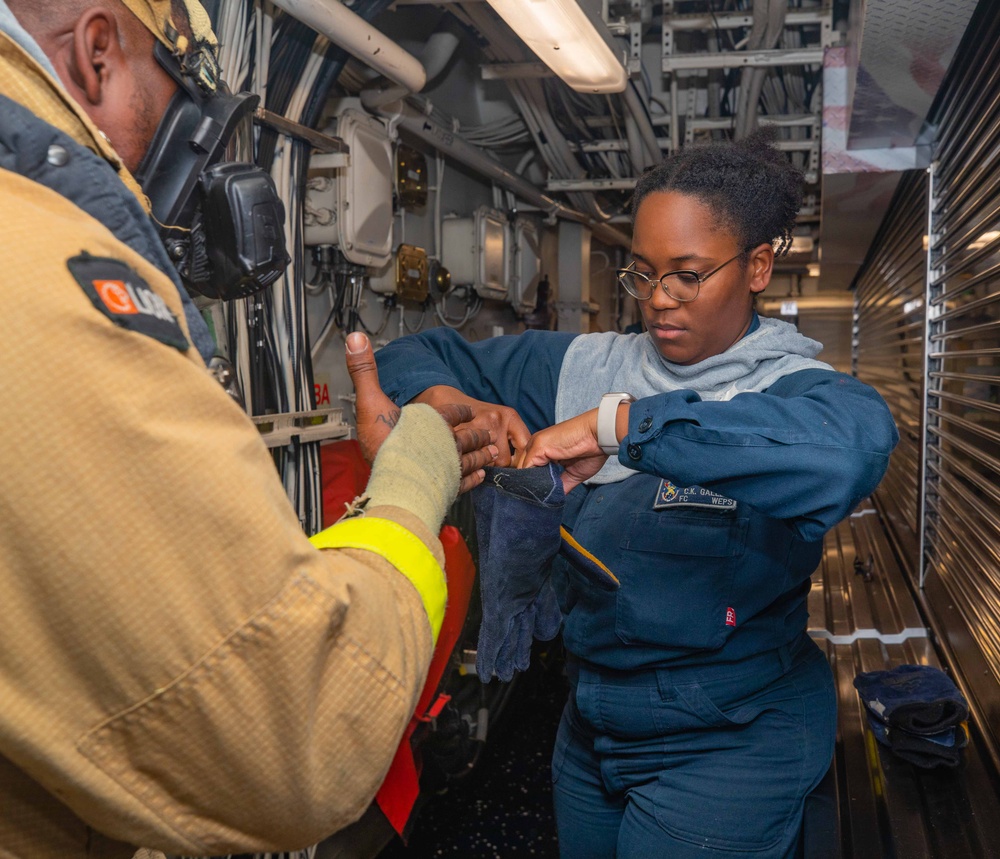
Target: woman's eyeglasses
683, 285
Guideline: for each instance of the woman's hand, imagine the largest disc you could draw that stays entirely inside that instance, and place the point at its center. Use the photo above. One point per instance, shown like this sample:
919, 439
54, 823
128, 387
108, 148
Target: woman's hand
572, 443
377, 415
504, 424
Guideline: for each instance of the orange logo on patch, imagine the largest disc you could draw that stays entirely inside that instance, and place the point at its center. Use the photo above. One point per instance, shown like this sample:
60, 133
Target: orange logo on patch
115, 296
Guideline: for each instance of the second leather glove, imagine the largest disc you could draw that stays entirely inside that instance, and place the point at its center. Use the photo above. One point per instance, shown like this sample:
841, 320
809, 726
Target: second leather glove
518, 512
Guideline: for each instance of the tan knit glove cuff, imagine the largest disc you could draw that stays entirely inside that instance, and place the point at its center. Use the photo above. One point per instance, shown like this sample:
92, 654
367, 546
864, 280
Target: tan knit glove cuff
417, 467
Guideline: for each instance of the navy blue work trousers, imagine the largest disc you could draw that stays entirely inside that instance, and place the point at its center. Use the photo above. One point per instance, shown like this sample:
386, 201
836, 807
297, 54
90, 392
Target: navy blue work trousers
693, 762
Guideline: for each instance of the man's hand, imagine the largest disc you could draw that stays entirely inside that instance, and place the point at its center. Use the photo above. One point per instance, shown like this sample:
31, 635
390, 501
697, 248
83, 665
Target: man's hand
377, 415
572, 443
503, 423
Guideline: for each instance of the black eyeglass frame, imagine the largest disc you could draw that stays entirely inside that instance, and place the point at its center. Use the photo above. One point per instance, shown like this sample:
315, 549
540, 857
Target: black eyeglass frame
698, 278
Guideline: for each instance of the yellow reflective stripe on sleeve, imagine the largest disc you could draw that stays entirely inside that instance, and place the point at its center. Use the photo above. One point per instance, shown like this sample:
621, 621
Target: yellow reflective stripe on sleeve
401, 548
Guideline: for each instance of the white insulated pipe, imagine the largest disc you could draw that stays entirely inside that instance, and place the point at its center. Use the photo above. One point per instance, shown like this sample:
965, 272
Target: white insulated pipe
438, 51
360, 39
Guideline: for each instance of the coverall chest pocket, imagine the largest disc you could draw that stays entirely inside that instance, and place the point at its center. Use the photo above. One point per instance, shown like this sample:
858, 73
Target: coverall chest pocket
677, 577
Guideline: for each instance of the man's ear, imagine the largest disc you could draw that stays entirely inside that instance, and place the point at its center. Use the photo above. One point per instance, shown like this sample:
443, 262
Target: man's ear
761, 267
94, 53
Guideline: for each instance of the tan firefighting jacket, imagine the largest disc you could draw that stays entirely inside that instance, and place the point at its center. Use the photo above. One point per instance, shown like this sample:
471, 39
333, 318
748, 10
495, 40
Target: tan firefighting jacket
179, 667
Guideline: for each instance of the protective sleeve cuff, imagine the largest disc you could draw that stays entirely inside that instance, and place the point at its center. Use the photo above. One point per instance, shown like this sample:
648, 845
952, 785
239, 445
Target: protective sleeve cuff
418, 466
401, 548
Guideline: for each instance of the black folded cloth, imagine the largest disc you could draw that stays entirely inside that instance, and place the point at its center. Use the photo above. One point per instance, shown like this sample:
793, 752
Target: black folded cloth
915, 698
918, 712
943, 749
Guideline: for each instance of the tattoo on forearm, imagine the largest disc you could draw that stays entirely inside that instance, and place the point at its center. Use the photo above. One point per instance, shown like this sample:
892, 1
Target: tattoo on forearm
392, 418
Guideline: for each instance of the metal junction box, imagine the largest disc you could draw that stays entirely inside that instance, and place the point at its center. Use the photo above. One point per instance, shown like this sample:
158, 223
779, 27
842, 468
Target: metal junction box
407, 278
475, 251
351, 207
526, 265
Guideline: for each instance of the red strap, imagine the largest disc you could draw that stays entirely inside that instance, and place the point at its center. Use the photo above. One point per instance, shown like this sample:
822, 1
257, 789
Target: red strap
435, 708
401, 787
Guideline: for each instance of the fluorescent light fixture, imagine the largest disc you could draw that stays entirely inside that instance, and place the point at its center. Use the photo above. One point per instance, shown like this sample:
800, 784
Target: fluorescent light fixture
564, 38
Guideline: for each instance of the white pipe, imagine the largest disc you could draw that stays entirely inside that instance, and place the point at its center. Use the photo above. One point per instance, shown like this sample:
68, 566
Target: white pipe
351, 32
438, 51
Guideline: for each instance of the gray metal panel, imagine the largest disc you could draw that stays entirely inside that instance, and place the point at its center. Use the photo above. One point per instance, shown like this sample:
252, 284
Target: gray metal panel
905, 49
853, 206
962, 457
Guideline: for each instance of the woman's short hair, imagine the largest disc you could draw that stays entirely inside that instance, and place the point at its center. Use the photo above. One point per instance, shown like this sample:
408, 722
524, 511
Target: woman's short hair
752, 187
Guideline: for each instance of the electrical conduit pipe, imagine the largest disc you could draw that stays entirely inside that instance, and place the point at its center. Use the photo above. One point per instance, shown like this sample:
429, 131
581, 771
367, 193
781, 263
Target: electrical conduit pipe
448, 143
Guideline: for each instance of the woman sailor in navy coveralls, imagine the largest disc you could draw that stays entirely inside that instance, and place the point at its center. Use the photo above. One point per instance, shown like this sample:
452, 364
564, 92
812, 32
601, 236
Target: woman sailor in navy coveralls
700, 713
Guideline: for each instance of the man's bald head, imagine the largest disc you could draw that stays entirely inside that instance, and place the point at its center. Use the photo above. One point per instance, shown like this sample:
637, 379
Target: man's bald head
51, 14
47, 19
103, 55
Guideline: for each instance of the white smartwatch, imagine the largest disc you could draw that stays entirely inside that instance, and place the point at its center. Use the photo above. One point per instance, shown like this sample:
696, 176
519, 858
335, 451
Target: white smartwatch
607, 420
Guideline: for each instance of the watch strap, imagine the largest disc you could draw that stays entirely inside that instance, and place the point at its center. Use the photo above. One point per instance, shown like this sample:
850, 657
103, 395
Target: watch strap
607, 421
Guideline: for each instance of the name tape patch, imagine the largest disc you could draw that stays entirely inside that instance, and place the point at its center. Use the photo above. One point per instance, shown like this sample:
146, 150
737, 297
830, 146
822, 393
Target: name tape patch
118, 291
670, 495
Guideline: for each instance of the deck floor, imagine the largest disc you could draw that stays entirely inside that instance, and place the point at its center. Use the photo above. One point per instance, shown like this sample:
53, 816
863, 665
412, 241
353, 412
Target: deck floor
863, 612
